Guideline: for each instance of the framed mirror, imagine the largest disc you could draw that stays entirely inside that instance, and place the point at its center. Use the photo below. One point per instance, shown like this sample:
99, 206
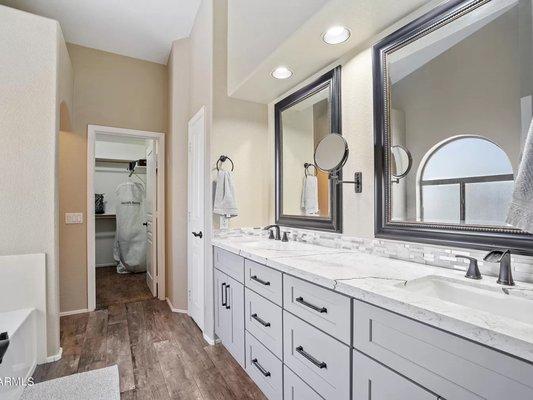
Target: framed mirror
305, 196
453, 102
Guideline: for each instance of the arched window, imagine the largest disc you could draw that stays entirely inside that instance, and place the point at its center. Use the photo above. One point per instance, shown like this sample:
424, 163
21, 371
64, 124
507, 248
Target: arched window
465, 179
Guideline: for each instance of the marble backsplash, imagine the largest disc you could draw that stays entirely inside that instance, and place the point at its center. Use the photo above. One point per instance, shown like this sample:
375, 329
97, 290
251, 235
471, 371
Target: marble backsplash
439, 256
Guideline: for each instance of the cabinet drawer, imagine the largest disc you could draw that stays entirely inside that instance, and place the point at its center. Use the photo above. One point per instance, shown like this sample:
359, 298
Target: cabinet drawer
263, 320
264, 280
323, 308
453, 367
372, 380
264, 369
320, 360
229, 263
296, 389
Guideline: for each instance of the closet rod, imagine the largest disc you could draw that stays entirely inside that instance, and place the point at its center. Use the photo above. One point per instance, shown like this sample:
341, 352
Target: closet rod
113, 160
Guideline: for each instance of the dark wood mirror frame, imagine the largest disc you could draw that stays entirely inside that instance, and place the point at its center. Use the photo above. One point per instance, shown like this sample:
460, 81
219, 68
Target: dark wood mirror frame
334, 221
478, 237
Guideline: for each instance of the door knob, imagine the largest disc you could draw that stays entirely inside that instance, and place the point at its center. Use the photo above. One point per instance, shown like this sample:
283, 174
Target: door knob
198, 234
145, 223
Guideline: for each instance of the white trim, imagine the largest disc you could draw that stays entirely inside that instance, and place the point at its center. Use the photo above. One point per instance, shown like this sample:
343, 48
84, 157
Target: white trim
173, 309
211, 341
73, 312
55, 357
159, 137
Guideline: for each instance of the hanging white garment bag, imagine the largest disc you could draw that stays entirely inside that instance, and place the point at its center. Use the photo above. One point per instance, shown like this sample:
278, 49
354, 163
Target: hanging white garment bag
130, 238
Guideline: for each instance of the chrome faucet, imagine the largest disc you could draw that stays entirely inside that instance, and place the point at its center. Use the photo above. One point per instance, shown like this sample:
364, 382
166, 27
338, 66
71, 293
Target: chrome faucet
503, 257
278, 231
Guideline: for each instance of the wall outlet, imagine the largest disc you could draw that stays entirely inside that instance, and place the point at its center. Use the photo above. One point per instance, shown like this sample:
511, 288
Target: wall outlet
73, 218
224, 222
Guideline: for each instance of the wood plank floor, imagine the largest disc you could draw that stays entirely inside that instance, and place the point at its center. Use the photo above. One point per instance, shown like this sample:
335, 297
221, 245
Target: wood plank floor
160, 355
113, 288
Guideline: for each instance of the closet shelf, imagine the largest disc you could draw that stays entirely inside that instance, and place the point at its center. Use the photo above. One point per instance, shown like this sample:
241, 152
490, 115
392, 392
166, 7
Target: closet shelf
105, 216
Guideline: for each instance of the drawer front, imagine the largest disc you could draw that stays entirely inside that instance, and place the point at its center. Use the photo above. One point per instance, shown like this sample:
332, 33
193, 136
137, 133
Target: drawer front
263, 320
323, 308
229, 263
296, 389
264, 280
320, 360
453, 367
264, 369
373, 381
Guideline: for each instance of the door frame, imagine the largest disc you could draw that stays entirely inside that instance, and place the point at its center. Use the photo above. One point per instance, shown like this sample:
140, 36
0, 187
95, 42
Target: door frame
201, 113
159, 137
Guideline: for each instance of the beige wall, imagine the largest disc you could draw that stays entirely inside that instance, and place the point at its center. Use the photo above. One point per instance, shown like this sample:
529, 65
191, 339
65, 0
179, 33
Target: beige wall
240, 132
358, 129
35, 81
176, 230
197, 77
110, 90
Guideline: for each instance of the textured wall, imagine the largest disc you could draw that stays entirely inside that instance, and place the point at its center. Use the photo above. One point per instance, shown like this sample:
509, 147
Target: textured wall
110, 90
36, 79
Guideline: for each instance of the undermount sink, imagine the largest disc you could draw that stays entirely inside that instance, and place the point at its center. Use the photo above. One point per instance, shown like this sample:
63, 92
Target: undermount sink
278, 245
504, 301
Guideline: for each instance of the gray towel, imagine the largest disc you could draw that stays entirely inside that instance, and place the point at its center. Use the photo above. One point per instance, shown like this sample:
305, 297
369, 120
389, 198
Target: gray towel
520, 213
225, 203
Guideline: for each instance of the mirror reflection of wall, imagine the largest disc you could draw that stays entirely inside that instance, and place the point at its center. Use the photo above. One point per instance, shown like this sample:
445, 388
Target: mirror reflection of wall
461, 103
304, 124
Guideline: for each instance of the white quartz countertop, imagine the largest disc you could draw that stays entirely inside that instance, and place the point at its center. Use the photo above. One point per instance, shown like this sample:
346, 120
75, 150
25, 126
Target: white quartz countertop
381, 281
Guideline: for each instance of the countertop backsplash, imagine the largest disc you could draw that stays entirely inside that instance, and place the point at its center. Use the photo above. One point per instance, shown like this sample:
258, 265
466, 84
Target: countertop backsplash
439, 256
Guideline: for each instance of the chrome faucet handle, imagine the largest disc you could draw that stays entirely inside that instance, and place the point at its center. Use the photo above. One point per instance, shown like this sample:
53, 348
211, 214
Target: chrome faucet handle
285, 236
505, 277
473, 270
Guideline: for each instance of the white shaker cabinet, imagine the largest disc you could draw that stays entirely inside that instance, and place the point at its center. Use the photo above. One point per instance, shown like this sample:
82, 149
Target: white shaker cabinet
229, 314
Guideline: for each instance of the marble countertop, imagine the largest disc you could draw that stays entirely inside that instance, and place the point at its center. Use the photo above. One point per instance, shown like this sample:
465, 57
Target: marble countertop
383, 281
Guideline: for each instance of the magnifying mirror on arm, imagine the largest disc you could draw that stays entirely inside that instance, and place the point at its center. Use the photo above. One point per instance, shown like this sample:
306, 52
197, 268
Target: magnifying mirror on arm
330, 156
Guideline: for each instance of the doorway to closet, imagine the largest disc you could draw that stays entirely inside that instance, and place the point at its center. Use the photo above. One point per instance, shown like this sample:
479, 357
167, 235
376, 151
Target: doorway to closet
125, 216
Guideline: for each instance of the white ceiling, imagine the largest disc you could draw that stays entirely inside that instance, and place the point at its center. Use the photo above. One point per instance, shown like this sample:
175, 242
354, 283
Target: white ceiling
303, 50
257, 27
142, 29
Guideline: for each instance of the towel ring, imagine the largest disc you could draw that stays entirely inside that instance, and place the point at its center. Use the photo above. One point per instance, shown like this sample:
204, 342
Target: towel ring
223, 159
306, 166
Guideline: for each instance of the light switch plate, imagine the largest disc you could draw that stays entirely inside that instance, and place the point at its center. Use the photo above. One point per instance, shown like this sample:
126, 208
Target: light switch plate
73, 218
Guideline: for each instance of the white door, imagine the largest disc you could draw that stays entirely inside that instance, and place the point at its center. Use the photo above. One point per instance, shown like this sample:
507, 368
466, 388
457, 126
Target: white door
196, 228
151, 216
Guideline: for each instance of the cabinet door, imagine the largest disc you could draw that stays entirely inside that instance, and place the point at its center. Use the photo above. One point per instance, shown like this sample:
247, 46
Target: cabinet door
221, 312
235, 307
372, 381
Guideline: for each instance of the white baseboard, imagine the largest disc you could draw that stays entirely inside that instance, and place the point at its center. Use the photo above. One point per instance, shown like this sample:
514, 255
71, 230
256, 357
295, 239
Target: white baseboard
211, 341
174, 309
55, 357
73, 312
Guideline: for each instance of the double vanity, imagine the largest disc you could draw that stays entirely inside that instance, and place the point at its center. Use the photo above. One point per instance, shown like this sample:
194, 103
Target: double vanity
310, 322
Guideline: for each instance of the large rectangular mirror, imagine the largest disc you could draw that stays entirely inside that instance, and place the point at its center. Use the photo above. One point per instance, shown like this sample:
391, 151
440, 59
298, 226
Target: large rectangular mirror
455, 93
305, 197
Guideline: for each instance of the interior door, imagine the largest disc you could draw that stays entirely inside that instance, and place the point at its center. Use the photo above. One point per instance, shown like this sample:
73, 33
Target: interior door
151, 216
196, 220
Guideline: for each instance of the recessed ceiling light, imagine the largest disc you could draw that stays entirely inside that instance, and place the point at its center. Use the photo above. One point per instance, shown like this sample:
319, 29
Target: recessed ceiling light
336, 34
281, 73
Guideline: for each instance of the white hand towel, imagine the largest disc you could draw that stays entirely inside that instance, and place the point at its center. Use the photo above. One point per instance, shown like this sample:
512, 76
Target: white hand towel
520, 213
309, 201
225, 203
